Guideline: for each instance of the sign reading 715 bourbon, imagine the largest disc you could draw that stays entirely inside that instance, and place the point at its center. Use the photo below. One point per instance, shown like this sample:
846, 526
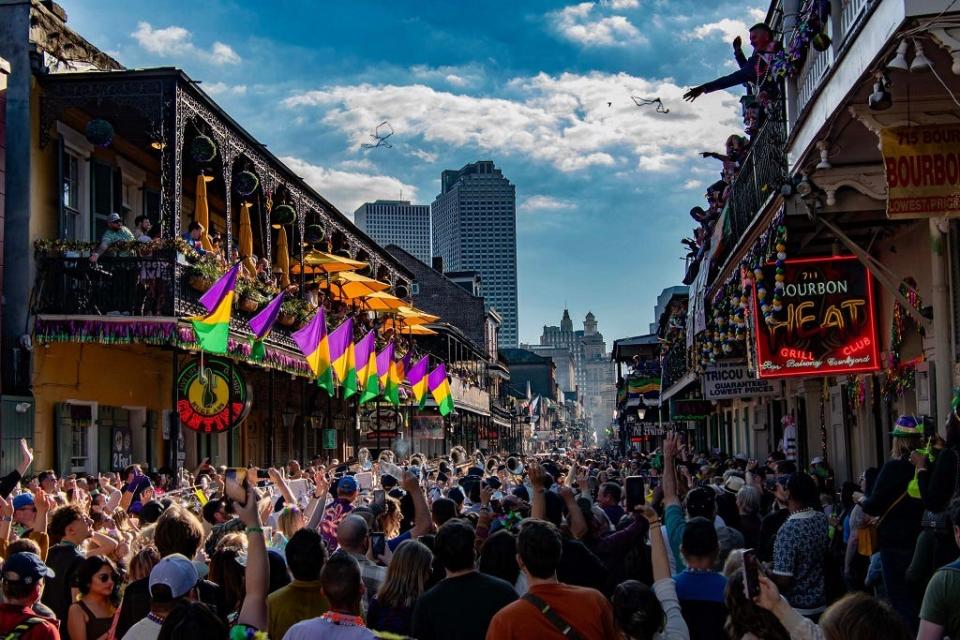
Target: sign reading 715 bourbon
208, 400
826, 325
922, 167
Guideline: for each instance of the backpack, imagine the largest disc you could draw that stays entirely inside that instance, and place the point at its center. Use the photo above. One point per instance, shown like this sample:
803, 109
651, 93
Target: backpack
22, 628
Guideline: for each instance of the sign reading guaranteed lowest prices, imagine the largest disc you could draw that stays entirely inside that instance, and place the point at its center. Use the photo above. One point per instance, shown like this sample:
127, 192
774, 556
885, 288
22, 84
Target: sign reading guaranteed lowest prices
922, 166
726, 380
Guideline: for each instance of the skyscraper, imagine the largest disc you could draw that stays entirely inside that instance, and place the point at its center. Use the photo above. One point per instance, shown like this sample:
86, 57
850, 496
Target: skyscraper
399, 223
475, 228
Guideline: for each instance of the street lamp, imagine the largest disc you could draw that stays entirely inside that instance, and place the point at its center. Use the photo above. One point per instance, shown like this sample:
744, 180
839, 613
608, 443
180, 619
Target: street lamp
641, 413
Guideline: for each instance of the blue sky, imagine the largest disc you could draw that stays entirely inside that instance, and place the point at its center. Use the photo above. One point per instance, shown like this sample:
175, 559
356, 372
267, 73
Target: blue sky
602, 190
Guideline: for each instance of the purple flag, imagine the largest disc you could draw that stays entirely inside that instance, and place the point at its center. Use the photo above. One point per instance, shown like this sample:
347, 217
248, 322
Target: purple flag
262, 323
214, 295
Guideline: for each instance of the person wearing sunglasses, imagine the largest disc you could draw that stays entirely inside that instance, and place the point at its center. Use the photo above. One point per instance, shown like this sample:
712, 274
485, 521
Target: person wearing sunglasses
91, 616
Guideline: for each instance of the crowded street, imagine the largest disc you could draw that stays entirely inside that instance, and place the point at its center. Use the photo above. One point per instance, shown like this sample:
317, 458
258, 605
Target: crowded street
609, 320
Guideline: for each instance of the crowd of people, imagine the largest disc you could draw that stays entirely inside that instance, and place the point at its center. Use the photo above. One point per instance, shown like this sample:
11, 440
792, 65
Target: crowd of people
590, 544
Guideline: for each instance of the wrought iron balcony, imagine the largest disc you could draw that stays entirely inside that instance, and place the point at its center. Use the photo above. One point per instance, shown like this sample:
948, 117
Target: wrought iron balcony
761, 174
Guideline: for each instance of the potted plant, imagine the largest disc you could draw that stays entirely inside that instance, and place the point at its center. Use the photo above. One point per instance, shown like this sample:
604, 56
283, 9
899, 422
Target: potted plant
292, 312
203, 149
99, 132
249, 299
246, 183
283, 214
204, 272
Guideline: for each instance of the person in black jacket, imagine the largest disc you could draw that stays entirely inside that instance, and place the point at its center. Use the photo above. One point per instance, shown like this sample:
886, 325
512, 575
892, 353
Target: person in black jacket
936, 545
899, 515
753, 70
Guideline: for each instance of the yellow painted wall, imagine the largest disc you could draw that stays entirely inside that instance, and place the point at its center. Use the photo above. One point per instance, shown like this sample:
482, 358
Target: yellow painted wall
113, 375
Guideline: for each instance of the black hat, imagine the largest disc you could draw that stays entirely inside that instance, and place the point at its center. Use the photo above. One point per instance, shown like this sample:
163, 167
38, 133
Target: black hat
25, 568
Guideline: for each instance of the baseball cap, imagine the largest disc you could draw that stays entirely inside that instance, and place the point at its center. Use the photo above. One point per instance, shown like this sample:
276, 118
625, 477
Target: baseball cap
113, 217
816, 460
176, 572
347, 484
25, 568
23, 500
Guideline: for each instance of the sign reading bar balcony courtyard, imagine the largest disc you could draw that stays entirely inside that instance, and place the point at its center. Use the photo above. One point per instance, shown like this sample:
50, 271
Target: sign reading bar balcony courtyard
826, 324
922, 166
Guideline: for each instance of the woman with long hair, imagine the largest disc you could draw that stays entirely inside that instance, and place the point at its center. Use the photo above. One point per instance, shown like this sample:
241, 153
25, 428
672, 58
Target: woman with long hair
391, 609
746, 619
899, 518
498, 557
90, 617
390, 519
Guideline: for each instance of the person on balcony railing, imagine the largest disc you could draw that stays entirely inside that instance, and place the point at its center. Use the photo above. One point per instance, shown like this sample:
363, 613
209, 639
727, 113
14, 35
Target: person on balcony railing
736, 150
754, 71
115, 232
192, 237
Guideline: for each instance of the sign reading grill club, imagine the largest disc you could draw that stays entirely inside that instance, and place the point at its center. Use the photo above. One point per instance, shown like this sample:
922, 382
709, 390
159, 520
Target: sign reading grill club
826, 324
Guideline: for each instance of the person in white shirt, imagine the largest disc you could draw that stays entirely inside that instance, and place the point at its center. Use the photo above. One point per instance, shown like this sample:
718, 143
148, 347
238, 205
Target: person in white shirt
172, 581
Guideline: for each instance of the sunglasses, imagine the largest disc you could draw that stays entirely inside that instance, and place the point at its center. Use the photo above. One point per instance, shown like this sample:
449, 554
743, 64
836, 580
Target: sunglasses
107, 577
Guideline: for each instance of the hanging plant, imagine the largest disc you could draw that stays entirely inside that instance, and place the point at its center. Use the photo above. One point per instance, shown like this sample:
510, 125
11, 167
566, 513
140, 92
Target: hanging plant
820, 42
246, 183
283, 214
314, 233
99, 132
202, 149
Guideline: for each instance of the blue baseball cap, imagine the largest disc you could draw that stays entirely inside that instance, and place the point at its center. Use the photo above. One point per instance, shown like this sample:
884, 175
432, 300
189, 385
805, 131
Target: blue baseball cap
347, 484
25, 568
23, 500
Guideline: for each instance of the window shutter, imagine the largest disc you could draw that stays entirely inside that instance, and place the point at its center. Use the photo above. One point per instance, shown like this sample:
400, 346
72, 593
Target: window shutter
61, 214
62, 437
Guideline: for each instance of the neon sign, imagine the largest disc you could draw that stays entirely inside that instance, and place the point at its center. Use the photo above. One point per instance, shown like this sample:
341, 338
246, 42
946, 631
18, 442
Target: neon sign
827, 324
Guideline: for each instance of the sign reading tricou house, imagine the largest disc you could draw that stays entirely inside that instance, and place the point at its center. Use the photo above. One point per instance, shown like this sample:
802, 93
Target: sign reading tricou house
922, 167
826, 324
726, 380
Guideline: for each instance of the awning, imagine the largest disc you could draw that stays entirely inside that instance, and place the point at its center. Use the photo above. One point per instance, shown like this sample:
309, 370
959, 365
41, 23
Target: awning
688, 378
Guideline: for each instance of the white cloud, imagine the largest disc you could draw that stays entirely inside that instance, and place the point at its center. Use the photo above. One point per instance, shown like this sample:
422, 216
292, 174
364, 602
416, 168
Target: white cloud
539, 203
693, 184
757, 14
463, 76
174, 41
584, 24
222, 88
560, 120
618, 5
726, 27
347, 190
426, 156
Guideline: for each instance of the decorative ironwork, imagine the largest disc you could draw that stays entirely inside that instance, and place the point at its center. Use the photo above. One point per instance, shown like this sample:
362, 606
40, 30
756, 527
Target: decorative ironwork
761, 175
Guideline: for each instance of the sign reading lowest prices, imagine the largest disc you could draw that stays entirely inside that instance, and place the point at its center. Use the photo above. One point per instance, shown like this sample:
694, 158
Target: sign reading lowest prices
727, 380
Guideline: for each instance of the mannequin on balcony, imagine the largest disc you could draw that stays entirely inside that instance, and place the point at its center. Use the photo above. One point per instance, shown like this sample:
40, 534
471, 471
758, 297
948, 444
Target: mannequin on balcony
753, 70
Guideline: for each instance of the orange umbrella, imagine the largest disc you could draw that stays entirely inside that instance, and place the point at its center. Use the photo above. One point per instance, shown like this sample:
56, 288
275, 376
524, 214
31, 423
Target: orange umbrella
381, 301
412, 330
283, 258
246, 241
348, 285
320, 262
412, 316
202, 211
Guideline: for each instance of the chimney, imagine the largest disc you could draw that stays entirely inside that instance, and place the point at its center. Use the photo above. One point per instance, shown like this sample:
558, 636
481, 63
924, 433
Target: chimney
438, 264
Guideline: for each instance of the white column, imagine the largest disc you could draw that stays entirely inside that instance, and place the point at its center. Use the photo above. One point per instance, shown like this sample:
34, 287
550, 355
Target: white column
942, 319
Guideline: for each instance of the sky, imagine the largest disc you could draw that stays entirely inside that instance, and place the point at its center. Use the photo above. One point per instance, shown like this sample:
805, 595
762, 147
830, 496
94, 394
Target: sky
542, 88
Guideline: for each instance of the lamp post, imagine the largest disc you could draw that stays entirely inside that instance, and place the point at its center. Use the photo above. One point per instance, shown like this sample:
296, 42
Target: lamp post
641, 414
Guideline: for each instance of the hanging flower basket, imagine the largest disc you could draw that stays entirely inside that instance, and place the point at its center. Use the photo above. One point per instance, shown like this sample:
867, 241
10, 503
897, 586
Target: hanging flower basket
246, 183
286, 319
200, 282
283, 214
314, 233
820, 42
202, 149
99, 132
248, 304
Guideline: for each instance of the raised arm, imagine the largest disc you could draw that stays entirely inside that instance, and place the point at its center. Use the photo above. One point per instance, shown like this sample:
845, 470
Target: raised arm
253, 611
422, 523
578, 524
538, 502
670, 445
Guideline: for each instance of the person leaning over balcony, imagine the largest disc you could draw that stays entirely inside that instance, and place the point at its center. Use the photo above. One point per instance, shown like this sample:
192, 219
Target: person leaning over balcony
194, 232
115, 232
753, 71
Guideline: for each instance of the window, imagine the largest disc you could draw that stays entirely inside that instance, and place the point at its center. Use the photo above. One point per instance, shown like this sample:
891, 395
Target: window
71, 195
105, 197
74, 183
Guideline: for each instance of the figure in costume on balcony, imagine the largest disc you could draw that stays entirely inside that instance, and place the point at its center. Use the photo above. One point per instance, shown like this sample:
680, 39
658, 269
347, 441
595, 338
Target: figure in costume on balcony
752, 71
115, 232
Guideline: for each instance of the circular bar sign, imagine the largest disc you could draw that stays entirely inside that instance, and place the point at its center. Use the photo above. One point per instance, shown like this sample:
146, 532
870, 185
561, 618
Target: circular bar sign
208, 400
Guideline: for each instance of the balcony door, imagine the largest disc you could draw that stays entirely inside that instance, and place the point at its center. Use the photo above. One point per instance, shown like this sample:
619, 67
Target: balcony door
106, 196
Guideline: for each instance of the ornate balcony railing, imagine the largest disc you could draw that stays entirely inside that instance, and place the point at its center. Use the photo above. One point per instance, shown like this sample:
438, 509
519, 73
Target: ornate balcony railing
762, 173
674, 365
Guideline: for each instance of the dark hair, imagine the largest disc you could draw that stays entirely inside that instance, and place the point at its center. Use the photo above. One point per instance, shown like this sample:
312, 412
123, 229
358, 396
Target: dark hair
340, 581
846, 494
636, 610
226, 571
62, 518
746, 617
193, 226
279, 576
306, 554
177, 531
870, 478
611, 489
210, 510
192, 620
786, 467
760, 26
702, 502
498, 557
46, 475
18, 590
140, 219
858, 616
454, 545
443, 509
803, 490
539, 546
90, 567
700, 538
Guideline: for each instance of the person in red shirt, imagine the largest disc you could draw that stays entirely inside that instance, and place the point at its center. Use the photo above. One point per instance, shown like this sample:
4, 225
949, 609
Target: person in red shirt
550, 608
22, 581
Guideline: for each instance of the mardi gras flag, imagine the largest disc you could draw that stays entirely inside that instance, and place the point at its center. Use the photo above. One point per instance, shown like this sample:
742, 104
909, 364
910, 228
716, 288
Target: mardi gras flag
387, 374
312, 341
417, 378
340, 347
213, 329
262, 324
440, 389
365, 357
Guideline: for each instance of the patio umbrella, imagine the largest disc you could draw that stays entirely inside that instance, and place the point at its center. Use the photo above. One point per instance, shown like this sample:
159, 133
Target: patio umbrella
202, 211
381, 301
319, 262
412, 316
348, 285
411, 330
246, 241
283, 258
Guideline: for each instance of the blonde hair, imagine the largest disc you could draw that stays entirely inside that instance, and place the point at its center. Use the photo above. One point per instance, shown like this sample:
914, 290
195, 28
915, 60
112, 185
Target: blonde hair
407, 575
290, 521
901, 446
142, 563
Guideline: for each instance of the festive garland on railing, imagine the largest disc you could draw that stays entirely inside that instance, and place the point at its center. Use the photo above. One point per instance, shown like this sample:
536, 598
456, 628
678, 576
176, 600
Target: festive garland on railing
133, 247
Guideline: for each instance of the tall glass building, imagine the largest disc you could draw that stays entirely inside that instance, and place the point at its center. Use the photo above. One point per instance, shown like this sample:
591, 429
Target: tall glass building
399, 223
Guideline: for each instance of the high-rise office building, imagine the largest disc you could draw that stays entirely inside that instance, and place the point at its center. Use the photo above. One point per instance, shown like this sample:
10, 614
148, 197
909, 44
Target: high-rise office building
475, 229
399, 223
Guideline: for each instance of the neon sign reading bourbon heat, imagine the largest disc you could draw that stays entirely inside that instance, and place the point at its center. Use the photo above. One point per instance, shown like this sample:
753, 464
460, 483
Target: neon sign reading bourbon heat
826, 325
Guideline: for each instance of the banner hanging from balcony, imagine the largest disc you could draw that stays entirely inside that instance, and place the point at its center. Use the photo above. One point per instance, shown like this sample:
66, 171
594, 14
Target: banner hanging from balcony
212, 399
922, 166
826, 324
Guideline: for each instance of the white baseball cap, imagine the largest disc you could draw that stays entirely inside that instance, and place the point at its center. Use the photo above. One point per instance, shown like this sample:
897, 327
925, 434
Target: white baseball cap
176, 572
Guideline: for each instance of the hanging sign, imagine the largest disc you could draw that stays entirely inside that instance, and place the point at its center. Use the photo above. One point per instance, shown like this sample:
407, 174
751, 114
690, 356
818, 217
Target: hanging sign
922, 166
208, 400
827, 324
684, 410
726, 380
121, 448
